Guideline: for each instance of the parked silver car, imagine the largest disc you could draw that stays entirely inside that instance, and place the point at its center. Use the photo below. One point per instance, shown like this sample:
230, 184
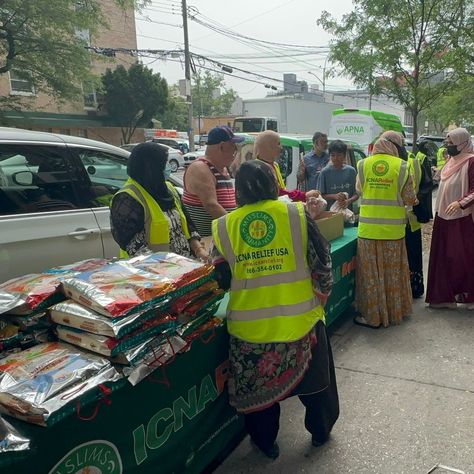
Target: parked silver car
55, 192
175, 157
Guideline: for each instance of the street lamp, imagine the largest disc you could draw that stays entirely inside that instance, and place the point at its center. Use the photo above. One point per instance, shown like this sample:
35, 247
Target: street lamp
323, 82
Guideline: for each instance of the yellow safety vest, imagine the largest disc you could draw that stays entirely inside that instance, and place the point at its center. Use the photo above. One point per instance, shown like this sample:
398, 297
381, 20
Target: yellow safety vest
415, 172
382, 212
271, 293
157, 228
440, 159
278, 176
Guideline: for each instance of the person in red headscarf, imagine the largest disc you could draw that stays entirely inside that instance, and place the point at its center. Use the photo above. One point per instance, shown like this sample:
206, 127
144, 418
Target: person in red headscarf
450, 275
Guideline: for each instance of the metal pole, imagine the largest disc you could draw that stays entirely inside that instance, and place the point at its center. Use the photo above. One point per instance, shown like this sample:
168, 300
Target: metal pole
187, 72
198, 83
370, 79
324, 74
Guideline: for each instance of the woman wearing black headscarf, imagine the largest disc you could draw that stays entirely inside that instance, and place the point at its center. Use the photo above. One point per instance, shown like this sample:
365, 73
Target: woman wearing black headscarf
146, 214
278, 268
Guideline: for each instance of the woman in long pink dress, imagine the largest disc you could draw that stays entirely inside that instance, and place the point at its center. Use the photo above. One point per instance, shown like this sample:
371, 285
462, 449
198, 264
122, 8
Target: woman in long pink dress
450, 273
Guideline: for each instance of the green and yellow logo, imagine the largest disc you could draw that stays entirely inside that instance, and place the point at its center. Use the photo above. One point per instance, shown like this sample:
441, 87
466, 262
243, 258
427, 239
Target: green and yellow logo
380, 168
93, 457
258, 229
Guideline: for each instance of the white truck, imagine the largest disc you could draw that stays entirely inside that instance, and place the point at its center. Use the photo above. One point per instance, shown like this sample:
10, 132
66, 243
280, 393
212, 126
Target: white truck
286, 115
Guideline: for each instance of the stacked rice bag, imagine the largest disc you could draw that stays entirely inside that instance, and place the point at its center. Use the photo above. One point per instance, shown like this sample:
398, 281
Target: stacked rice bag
37, 382
133, 310
23, 301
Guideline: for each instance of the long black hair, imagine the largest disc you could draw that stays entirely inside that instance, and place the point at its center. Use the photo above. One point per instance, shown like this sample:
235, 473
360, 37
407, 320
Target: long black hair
146, 165
255, 181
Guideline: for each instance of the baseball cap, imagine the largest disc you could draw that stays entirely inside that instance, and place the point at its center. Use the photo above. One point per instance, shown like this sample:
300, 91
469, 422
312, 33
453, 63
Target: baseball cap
222, 134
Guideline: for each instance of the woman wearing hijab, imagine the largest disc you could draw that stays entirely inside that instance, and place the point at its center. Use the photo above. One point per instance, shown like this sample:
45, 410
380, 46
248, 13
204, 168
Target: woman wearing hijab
450, 272
383, 292
146, 214
278, 267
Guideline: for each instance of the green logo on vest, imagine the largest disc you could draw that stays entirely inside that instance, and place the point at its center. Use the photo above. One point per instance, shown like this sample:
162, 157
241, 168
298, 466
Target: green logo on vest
258, 229
93, 457
380, 168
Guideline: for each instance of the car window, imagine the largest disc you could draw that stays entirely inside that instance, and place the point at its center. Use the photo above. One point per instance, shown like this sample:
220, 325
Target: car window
36, 178
358, 155
107, 174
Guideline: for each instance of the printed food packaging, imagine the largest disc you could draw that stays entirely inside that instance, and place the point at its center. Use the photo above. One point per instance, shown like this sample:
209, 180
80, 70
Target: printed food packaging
37, 382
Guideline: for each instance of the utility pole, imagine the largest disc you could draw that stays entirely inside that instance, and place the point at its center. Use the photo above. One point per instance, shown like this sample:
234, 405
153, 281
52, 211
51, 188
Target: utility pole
371, 78
187, 72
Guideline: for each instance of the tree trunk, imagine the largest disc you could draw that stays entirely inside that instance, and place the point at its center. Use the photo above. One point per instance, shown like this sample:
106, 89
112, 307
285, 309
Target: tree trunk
415, 114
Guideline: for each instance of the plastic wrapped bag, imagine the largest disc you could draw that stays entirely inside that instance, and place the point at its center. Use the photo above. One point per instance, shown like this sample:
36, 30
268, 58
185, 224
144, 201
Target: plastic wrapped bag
9, 301
316, 206
181, 270
37, 291
34, 292
129, 286
10, 439
153, 354
349, 216
117, 289
72, 314
39, 381
21, 332
111, 346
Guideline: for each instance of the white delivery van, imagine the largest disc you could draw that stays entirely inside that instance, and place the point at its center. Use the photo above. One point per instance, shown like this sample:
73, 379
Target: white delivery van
361, 126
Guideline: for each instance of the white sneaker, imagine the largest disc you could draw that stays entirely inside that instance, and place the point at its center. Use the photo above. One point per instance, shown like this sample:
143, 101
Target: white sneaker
443, 306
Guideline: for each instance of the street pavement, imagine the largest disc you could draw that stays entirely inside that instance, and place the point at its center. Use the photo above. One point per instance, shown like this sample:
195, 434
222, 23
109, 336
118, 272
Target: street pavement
407, 402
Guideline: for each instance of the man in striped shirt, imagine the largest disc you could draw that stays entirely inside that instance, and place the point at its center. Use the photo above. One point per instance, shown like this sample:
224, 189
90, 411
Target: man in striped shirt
208, 188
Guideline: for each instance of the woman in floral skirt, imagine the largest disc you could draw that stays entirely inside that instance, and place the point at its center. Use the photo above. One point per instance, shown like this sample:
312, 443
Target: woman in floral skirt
264, 373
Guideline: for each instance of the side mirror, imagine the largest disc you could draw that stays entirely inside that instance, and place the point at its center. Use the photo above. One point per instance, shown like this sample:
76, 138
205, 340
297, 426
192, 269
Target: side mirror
23, 178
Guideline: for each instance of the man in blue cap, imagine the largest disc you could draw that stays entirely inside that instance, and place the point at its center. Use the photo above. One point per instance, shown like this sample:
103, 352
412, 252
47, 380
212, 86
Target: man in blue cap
208, 188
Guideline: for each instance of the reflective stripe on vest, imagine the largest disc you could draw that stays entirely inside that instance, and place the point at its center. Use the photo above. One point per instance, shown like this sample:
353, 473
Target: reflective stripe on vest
271, 295
277, 171
415, 169
156, 223
382, 213
440, 158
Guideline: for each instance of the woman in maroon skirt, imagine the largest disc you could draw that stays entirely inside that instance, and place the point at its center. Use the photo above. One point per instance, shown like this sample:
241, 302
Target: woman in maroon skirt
450, 274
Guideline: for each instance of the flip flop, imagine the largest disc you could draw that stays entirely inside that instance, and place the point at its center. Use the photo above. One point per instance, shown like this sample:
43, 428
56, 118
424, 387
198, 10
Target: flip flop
366, 325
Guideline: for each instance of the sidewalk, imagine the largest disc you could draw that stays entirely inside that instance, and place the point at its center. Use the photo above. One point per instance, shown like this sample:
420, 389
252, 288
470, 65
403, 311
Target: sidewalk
407, 403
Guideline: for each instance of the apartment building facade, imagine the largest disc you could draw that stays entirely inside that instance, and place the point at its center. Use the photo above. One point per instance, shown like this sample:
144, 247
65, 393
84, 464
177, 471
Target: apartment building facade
87, 116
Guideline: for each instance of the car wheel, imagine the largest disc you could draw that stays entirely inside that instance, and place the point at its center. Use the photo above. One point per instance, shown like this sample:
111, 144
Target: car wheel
174, 165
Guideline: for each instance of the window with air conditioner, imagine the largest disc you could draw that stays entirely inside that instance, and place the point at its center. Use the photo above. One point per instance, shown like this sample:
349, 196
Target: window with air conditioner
21, 83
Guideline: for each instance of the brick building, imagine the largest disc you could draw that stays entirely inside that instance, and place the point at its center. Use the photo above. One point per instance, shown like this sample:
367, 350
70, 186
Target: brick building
86, 117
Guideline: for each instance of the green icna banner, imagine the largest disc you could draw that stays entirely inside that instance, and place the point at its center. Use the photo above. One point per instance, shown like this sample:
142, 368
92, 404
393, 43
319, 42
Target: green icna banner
177, 420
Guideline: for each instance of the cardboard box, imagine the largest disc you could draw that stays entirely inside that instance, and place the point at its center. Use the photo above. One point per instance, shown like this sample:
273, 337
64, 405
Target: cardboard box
331, 225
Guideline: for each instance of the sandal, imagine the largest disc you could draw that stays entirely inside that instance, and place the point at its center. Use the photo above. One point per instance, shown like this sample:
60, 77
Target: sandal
361, 321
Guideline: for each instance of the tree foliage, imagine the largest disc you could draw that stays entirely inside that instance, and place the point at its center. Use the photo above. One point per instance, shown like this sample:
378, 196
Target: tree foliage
210, 96
133, 97
455, 107
413, 51
175, 116
39, 38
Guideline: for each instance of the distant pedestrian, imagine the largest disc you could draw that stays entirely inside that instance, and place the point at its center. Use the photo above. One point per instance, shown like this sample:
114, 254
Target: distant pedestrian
383, 293
208, 188
450, 272
313, 162
280, 277
337, 179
